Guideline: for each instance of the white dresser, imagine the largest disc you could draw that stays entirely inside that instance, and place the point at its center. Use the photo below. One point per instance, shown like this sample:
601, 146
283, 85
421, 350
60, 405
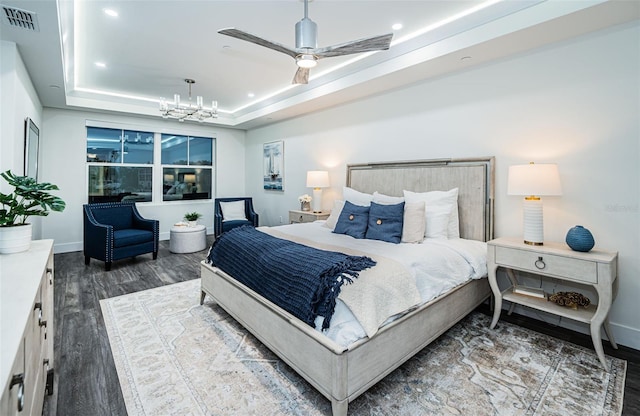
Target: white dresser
26, 329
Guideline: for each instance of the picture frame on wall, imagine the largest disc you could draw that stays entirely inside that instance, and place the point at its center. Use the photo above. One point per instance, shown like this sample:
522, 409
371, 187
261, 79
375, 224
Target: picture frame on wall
273, 162
31, 148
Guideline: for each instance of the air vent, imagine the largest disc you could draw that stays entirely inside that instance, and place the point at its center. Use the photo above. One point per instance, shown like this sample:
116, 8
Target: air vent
20, 18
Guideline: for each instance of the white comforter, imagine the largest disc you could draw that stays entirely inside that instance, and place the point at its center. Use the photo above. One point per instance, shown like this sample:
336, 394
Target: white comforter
437, 265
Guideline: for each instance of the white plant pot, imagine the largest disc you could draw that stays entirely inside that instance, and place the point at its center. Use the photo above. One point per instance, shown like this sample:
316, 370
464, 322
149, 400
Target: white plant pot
192, 223
15, 239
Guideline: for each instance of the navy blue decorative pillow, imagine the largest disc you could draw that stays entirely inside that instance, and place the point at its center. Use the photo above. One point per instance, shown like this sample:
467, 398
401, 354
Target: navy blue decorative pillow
385, 222
353, 220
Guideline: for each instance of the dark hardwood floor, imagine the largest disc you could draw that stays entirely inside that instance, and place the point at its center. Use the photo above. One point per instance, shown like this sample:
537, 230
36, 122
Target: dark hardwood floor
86, 382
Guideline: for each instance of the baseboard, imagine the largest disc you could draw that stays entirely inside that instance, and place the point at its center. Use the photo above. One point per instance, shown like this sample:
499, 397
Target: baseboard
78, 246
67, 247
625, 335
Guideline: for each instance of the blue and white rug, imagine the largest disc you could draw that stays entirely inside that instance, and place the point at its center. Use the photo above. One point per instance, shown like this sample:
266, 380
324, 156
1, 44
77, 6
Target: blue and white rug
174, 356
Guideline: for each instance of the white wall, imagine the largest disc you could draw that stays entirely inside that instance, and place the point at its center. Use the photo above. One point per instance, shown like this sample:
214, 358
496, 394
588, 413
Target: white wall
576, 104
63, 144
18, 100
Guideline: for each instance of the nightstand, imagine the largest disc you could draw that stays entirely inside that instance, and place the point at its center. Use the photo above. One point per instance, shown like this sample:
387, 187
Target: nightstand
296, 217
595, 268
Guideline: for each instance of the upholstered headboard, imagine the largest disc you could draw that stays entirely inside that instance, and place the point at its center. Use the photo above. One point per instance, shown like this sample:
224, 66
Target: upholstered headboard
473, 177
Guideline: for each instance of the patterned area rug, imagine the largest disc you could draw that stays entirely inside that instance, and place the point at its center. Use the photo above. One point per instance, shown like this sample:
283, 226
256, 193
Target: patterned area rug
174, 356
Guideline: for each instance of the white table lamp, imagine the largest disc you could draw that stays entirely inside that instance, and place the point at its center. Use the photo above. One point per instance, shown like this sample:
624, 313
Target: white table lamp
532, 181
317, 179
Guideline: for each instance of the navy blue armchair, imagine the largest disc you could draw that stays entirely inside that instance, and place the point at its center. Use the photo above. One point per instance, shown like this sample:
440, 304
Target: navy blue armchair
220, 226
116, 230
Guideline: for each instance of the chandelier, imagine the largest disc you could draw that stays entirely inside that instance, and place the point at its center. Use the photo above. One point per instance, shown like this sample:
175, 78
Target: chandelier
188, 111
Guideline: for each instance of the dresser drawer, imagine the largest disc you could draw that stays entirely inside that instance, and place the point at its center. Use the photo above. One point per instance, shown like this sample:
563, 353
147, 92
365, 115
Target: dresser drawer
548, 264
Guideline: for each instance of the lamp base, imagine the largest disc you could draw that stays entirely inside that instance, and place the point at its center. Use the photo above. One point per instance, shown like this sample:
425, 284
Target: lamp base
532, 221
317, 200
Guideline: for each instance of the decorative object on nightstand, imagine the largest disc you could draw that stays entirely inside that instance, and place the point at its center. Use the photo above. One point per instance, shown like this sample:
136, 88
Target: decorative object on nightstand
534, 292
532, 181
580, 239
570, 299
317, 179
305, 202
555, 260
296, 217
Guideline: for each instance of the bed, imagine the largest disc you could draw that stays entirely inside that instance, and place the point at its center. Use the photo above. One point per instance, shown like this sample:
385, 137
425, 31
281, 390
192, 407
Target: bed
342, 373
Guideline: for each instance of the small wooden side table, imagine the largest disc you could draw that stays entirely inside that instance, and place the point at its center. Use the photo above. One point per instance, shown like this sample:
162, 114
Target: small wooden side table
296, 216
595, 268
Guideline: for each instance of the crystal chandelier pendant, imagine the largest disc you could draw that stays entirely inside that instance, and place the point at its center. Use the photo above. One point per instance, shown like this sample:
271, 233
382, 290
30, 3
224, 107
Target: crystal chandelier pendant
188, 111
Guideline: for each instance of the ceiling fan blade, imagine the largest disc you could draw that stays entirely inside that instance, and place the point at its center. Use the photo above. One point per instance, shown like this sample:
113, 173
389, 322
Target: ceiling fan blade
301, 76
375, 43
239, 34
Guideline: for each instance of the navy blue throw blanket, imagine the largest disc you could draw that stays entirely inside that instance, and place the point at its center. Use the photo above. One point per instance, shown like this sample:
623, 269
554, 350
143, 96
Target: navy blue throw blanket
302, 280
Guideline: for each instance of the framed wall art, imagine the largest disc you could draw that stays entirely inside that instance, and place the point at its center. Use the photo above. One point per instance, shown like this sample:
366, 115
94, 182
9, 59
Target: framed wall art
31, 148
273, 162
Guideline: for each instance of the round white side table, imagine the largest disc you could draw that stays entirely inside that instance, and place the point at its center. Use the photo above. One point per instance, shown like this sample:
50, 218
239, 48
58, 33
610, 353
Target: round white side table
187, 239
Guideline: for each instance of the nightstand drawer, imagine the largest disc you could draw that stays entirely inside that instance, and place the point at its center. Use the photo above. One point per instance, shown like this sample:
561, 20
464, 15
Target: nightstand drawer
549, 264
295, 217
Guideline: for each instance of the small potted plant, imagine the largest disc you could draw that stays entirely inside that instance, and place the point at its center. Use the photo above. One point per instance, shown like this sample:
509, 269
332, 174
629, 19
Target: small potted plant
192, 218
29, 198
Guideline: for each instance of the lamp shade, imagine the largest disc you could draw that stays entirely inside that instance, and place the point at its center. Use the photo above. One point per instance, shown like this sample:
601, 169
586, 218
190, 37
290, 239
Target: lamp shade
317, 179
534, 179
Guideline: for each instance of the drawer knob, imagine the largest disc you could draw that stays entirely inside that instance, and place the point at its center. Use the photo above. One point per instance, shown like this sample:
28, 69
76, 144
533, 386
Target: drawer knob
19, 380
540, 264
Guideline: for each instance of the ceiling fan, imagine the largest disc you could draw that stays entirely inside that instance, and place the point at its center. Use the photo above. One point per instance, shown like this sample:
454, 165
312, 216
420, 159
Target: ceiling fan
306, 52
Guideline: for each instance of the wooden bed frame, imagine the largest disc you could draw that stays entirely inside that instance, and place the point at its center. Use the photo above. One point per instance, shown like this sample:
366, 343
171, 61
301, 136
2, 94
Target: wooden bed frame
342, 374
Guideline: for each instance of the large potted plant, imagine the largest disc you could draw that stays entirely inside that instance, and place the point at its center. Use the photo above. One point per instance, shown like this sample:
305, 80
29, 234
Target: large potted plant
29, 198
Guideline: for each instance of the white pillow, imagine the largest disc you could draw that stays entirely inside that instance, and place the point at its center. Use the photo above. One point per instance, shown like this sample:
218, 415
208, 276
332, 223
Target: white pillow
335, 214
233, 211
356, 197
413, 228
383, 199
441, 211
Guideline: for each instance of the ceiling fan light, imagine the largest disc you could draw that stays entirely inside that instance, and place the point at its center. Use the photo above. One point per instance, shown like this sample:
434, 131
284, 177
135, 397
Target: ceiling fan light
306, 61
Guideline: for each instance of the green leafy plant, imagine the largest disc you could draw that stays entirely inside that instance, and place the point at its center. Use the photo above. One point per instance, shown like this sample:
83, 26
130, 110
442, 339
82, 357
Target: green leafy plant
28, 199
192, 216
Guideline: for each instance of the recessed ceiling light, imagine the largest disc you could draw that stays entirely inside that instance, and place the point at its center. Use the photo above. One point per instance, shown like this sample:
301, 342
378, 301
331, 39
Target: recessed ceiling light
110, 12
251, 95
397, 26
101, 65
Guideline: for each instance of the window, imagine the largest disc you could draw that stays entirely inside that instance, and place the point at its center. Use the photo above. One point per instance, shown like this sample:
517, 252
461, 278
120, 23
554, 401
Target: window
123, 163
113, 155
187, 167
119, 183
186, 183
119, 146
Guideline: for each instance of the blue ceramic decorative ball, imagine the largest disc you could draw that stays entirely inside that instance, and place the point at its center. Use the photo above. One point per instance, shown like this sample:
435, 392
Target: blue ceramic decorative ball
580, 239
